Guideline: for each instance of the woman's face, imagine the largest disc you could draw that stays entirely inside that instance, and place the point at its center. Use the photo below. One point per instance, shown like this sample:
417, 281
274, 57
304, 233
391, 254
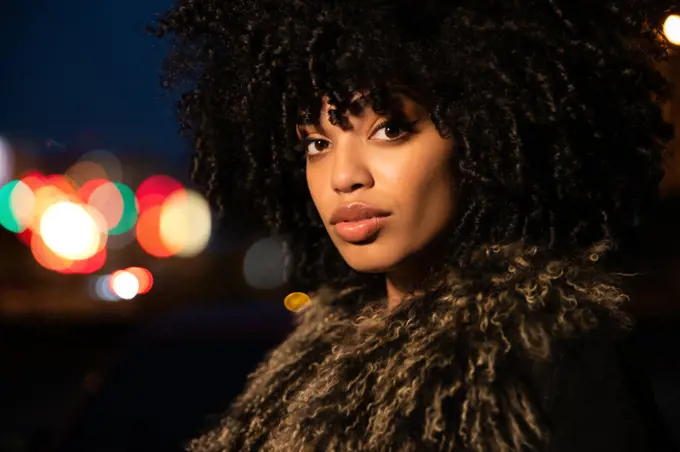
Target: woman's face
395, 186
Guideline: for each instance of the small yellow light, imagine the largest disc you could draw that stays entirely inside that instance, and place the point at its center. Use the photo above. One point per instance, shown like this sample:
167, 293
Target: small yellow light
296, 300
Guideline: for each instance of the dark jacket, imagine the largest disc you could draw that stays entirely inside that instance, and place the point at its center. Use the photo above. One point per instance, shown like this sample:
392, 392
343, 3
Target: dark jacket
600, 399
515, 352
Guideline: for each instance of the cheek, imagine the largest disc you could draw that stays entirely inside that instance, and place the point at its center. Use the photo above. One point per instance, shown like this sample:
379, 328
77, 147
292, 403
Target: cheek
427, 192
431, 198
317, 191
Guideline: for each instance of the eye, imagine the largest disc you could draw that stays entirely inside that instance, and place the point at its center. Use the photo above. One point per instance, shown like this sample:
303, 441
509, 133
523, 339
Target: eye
314, 146
393, 130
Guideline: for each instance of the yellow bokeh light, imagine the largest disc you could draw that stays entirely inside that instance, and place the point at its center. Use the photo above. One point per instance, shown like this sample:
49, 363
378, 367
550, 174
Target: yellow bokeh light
185, 223
296, 301
69, 231
45, 197
671, 28
125, 285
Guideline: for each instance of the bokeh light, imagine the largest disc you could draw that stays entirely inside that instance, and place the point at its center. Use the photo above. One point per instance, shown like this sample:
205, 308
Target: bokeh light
25, 237
91, 265
46, 257
108, 201
103, 290
296, 301
148, 233
70, 231
85, 171
71, 221
266, 264
153, 191
45, 197
6, 161
63, 184
185, 223
16, 206
22, 203
130, 210
33, 179
124, 284
671, 28
144, 278
89, 187
109, 166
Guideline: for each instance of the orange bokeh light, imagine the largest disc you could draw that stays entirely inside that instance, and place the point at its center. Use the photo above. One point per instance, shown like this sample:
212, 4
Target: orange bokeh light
47, 258
148, 233
63, 184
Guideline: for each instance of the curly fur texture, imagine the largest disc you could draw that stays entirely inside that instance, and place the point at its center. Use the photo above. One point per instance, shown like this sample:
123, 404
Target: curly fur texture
553, 108
447, 372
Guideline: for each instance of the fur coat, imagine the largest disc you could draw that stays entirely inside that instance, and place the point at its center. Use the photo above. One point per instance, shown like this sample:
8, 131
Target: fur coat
515, 352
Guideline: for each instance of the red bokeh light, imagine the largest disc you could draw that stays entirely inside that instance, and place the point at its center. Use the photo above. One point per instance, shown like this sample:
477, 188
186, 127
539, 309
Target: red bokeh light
91, 265
154, 190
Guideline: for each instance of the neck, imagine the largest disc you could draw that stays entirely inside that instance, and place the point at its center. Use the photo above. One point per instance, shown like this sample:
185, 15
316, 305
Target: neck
410, 275
402, 282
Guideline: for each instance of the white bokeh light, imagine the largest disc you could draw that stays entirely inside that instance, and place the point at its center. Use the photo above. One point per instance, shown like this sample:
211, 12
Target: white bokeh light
125, 285
70, 231
671, 28
6, 161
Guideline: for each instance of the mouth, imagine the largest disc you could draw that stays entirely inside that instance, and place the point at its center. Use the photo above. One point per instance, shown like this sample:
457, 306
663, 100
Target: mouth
362, 230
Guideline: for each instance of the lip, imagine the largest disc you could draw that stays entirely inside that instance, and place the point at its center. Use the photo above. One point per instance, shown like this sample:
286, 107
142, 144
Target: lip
358, 222
359, 231
356, 211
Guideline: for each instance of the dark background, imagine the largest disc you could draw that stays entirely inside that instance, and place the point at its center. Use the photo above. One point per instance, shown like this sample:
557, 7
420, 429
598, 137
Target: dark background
81, 374
77, 374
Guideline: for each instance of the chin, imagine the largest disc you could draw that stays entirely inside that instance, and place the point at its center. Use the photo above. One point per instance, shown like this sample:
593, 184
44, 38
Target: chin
365, 260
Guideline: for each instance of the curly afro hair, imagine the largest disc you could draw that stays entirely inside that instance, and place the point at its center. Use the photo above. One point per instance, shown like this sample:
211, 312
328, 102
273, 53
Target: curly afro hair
553, 106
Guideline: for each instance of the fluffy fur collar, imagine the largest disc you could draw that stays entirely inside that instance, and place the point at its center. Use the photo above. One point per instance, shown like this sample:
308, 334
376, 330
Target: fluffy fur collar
455, 369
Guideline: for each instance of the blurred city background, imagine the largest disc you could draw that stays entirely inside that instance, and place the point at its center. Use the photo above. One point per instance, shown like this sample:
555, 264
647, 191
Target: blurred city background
129, 312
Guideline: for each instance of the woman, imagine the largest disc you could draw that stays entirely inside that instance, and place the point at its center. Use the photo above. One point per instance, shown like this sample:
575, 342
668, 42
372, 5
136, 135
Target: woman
451, 177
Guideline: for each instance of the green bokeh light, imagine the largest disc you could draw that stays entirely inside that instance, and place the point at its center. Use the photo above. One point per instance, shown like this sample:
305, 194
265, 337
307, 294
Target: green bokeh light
7, 218
129, 217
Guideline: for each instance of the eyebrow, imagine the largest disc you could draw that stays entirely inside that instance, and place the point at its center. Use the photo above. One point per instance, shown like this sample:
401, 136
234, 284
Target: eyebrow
304, 133
395, 109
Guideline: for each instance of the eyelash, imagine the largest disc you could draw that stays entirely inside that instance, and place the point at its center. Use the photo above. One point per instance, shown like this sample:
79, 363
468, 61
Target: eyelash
404, 126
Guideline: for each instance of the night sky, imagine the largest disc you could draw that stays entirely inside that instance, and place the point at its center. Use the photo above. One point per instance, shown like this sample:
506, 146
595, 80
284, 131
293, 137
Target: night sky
85, 73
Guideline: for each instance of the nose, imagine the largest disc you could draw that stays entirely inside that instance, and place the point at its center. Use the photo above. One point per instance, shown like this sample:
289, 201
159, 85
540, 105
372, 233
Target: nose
350, 169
